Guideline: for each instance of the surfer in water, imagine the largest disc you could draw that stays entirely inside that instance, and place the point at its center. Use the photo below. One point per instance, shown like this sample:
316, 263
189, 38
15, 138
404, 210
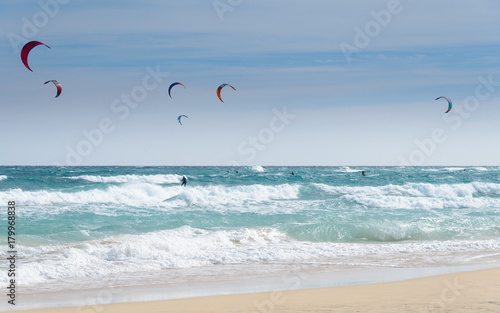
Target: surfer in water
363, 172
184, 180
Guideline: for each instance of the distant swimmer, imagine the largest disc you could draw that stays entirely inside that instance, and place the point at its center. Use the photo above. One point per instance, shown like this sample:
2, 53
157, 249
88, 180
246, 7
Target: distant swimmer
293, 173
236, 172
363, 172
184, 180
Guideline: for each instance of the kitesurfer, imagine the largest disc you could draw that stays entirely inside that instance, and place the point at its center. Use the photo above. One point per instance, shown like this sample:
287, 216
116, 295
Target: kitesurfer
184, 180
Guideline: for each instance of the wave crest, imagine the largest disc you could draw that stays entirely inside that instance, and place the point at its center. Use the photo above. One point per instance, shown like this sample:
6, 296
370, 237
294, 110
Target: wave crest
121, 179
140, 195
188, 247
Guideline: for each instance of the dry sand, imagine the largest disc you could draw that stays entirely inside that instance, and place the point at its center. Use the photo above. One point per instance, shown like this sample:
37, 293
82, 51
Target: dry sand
471, 292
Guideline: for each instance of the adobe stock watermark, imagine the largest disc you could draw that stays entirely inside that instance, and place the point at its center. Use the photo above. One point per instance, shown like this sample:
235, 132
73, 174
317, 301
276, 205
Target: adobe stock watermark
31, 26
448, 295
363, 35
292, 281
222, 7
103, 297
426, 147
121, 107
249, 147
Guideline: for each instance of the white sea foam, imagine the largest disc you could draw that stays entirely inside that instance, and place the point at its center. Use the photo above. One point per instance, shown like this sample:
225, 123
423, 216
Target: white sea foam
140, 195
389, 202
417, 189
448, 169
454, 169
257, 169
420, 195
480, 168
3, 177
153, 179
187, 247
347, 169
237, 194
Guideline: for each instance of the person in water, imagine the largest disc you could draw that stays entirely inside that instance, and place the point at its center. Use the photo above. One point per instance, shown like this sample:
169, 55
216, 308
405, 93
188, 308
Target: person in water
293, 173
363, 172
184, 180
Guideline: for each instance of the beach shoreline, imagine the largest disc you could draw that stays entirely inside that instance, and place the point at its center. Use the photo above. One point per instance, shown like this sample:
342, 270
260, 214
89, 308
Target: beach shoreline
466, 291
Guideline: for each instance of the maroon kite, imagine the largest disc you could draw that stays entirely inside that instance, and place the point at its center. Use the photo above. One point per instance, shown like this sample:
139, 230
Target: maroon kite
59, 88
26, 50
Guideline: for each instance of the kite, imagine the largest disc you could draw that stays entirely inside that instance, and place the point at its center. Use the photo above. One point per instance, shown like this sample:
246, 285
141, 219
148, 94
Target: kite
174, 84
59, 88
449, 103
179, 118
26, 50
220, 88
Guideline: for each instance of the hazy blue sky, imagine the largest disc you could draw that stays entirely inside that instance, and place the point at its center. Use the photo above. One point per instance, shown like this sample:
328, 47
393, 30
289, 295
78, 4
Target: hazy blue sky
354, 82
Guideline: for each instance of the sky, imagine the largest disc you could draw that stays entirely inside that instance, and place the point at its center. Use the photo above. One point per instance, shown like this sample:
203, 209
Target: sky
327, 83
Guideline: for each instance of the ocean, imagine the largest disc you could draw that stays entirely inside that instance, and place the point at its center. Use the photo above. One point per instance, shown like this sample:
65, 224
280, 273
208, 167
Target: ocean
81, 228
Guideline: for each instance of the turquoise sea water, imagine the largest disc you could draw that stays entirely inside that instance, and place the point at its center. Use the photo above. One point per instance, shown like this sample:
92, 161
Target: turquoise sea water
77, 225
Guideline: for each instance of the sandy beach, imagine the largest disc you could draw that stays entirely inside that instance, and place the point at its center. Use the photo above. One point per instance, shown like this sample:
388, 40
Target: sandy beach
476, 291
